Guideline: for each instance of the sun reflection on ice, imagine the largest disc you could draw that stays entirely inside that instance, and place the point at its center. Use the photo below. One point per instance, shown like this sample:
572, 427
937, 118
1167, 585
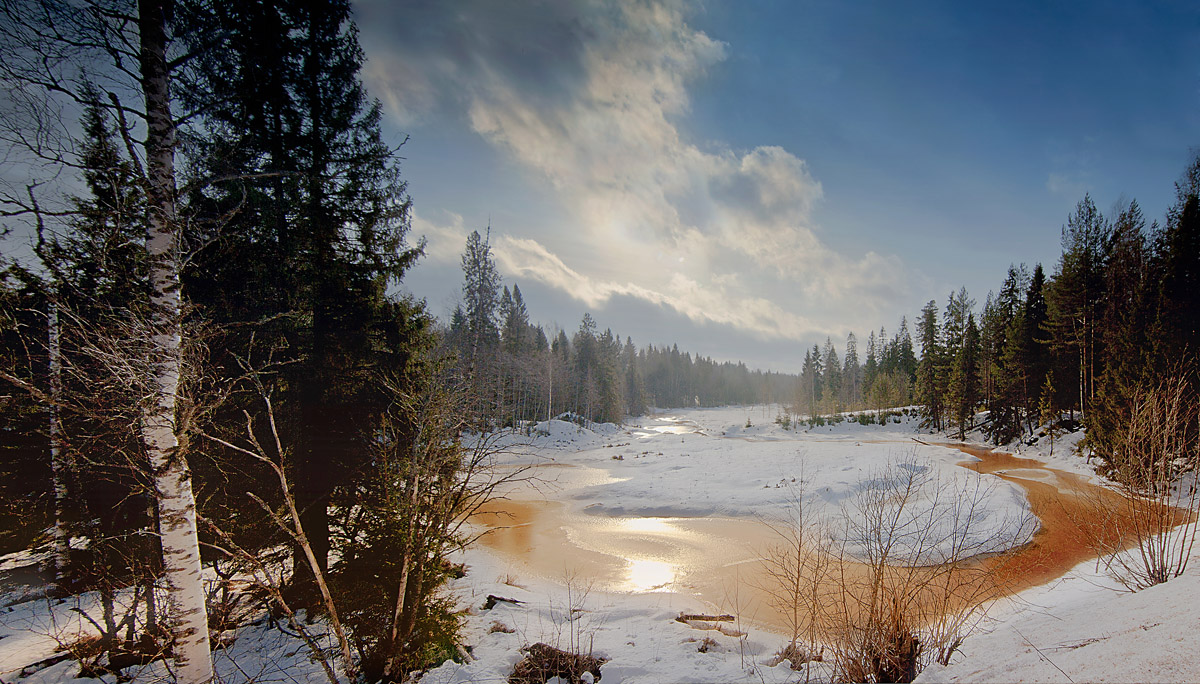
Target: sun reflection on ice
649, 575
649, 525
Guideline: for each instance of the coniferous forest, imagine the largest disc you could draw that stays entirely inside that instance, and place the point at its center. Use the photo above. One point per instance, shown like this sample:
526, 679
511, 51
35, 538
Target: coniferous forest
1116, 318
206, 363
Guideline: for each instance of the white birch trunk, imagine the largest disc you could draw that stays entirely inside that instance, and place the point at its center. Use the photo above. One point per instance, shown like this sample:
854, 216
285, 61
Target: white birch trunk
58, 466
172, 478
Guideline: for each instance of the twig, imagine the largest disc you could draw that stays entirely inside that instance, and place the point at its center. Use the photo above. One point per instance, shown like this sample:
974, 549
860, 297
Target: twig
1043, 656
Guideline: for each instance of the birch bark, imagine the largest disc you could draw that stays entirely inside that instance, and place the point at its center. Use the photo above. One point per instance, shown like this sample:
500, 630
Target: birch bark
172, 478
58, 465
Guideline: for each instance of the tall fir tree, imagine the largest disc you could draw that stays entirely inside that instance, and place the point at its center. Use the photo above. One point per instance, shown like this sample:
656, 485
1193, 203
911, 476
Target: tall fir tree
1126, 317
307, 219
930, 370
851, 374
963, 390
1075, 298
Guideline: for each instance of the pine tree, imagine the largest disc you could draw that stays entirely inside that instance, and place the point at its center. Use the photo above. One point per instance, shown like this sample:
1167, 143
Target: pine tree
585, 364
852, 374
906, 358
871, 364
304, 216
515, 317
963, 393
100, 264
1074, 300
481, 295
954, 325
610, 380
1009, 372
1177, 329
1036, 343
887, 352
930, 372
990, 335
831, 383
635, 392
809, 385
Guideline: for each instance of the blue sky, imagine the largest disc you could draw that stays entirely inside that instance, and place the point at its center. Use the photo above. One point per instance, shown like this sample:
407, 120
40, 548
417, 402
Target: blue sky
747, 178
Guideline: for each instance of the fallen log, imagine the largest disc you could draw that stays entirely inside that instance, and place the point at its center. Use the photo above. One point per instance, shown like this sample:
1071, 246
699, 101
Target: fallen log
492, 600
699, 617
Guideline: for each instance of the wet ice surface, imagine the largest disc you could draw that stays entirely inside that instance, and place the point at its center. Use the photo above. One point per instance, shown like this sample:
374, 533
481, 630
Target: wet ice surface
702, 463
674, 501
737, 471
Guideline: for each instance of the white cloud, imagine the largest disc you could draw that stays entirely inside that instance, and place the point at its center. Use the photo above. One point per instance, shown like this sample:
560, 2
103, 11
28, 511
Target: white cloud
526, 258
722, 236
443, 243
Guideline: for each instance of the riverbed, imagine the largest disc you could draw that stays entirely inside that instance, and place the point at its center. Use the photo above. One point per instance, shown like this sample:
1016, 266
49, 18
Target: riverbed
657, 507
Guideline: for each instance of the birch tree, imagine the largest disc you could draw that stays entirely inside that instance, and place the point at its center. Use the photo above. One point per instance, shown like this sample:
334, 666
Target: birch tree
50, 47
172, 478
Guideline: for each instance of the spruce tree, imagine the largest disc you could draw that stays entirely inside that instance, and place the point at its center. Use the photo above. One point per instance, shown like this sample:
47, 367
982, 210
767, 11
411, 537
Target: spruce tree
851, 374
930, 372
905, 357
963, 393
1074, 300
1177, 328
871, 364
1009, 370
481, 296
635, 392
831, 383
515, 317
307, 217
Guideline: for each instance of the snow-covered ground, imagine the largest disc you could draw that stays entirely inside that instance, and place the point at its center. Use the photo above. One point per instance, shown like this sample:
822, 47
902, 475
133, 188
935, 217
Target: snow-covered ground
624, 499
738, 463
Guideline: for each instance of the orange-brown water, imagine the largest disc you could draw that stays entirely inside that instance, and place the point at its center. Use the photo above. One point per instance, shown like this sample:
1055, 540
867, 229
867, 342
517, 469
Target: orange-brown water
721, 560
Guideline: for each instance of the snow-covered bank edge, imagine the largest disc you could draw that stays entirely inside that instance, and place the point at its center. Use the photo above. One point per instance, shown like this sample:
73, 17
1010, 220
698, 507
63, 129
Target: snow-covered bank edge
637, 633
1078, 625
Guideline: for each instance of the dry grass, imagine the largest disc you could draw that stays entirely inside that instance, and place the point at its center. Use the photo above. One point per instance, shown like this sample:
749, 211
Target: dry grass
899, 585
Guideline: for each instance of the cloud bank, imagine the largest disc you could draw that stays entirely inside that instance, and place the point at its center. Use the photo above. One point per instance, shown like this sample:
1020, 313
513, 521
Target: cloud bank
590, 99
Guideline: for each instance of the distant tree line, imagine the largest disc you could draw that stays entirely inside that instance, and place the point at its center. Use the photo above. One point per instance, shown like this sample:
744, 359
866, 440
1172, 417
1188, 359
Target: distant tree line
1119, 313
883, 378
518, 373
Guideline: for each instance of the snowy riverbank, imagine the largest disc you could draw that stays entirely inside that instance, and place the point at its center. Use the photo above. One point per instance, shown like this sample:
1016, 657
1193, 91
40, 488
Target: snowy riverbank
621, 554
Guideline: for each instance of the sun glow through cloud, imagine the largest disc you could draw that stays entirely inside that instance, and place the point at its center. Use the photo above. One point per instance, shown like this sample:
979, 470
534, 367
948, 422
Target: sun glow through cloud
720, 236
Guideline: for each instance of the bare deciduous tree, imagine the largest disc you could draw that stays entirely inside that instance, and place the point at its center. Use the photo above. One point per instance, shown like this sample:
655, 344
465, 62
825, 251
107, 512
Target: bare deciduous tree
1154, 463
906, 577
51, 49
428, 477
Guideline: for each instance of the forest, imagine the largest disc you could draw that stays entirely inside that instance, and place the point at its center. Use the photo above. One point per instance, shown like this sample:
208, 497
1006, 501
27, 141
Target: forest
1117, 317
207, 366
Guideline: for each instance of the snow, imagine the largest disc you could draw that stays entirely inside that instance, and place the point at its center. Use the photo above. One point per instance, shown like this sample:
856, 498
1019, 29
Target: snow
708, 463
1060, 453
637, 632
648, 479
1084, 627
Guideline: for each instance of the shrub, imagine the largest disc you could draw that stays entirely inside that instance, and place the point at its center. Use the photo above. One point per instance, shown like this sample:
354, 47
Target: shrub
904, 585
1156, 445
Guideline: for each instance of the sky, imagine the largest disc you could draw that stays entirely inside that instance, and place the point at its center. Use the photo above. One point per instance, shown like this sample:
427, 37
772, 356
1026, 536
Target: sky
746, 179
